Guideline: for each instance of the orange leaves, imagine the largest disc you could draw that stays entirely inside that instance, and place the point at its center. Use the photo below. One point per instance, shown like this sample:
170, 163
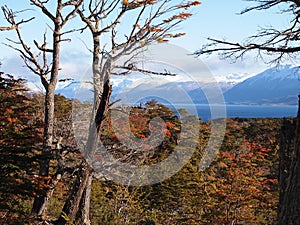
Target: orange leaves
195, 3
141, 136
168, 35
169, 124
42, 183
160, 40
247, 155
179, 35
171, 16
189, 4
9, 111
230, 156
181, 16
222, 165
168, 133
257, 149
78, 155
136, 4
142, 124
274, 181
164, 38
125, 2
174, 35
11, 120
156, 29
244, 179
145, 2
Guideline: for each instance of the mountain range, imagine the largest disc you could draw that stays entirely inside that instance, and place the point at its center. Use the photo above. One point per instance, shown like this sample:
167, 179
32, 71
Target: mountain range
279, 85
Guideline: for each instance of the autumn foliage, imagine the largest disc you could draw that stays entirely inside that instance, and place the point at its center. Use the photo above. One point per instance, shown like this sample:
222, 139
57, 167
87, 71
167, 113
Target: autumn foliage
19, 133
240, 187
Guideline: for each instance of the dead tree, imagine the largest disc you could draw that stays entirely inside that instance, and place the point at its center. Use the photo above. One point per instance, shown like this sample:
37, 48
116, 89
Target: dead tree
48, 73
280, 44
10, 18
153, 22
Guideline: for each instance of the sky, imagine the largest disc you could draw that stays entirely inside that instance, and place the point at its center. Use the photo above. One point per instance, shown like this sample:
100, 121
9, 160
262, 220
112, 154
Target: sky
213, 18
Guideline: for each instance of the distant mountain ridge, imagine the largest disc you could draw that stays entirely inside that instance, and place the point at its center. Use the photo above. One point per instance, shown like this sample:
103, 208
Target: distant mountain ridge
279, 85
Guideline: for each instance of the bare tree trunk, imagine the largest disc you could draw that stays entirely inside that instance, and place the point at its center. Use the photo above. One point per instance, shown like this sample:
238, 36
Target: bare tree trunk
59, 21
102, 92
83, 214
71, 206
40, 202
289, 177
80, 195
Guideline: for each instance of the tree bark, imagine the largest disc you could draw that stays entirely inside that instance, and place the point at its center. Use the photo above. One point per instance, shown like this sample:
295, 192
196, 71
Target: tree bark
71, 206
83, 214
40, 202
59, 21
80, 195
289, 176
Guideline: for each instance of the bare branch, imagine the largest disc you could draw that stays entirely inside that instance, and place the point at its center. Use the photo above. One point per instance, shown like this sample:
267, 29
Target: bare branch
280, 43
111, 7
131, 67
65, 40
267, 4
41, 5
30, 59
237, 46
86, 46
71, 31
71, 2
10, 18
77, 4
42, 47
7, 28
112, 25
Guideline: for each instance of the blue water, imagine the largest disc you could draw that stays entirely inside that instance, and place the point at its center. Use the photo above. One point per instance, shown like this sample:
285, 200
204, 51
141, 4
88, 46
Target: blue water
241, 111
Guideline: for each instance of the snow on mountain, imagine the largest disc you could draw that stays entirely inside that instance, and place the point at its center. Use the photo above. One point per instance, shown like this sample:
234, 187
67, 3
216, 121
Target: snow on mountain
278, 85
68, 88
233, 78
82, 90
228, 81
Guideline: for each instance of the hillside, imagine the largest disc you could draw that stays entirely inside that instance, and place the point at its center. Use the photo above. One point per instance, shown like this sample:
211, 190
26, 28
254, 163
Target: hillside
278, 85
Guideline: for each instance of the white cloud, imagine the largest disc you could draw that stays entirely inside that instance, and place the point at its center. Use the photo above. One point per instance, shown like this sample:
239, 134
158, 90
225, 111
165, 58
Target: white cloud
247, 67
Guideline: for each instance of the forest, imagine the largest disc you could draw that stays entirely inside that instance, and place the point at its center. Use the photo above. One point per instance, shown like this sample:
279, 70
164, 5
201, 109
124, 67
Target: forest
240, 187
157, 166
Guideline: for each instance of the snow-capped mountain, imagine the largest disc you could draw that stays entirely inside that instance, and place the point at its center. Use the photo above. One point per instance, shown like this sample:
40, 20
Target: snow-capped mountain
234, 78
230, 80
278, 85
82, 90
67, 88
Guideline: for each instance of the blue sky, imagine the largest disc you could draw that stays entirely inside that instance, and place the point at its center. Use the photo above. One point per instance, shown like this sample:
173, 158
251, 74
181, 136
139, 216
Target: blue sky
214, 18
